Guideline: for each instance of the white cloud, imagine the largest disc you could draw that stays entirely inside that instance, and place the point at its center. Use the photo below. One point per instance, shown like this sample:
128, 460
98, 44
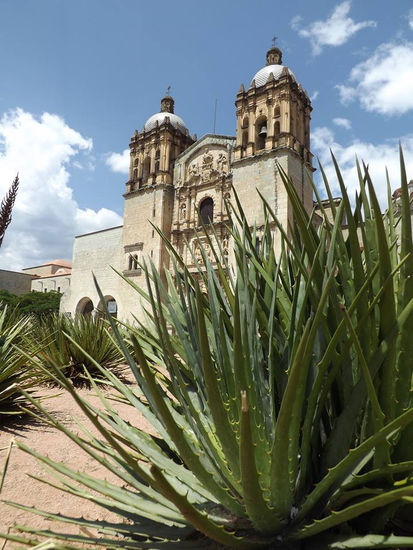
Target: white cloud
119, 162
376, 156
342, 122
410, 19
336, 30
314, 95
384, 82
347, 93
46, 217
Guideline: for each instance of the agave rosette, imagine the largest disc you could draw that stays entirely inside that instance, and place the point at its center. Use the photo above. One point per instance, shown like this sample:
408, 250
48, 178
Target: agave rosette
280, 392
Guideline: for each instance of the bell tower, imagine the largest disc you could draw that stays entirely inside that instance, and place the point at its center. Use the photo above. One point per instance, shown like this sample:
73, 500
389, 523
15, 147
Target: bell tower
273, 112
153, 150
149, 196
273, 128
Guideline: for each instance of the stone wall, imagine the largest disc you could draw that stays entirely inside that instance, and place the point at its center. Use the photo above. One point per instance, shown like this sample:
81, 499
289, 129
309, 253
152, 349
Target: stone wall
59, 283
15, 282
98, 251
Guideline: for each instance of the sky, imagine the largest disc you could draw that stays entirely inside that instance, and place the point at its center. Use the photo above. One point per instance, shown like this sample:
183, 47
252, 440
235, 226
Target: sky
79, 76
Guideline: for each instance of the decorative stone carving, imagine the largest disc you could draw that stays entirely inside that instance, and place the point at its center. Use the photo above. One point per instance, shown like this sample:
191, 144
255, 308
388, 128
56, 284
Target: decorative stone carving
222, 163
193, 171
207, 160
197, 245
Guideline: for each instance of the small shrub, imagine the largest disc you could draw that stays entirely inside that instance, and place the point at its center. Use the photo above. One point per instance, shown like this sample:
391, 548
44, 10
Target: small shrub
73, 345
14, 375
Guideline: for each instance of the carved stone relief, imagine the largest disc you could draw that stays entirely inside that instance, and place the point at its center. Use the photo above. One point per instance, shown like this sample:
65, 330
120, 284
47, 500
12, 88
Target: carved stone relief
207, 167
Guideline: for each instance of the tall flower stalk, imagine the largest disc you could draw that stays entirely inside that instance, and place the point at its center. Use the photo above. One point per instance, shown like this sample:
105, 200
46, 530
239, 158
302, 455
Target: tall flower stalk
6, 207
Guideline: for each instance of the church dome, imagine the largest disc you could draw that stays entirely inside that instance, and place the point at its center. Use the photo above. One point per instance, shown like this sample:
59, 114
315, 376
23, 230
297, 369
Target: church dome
159, 118
262, 75
274, 66
167, 110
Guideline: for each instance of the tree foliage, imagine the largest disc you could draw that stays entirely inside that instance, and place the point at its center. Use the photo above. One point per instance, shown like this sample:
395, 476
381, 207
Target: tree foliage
36, 303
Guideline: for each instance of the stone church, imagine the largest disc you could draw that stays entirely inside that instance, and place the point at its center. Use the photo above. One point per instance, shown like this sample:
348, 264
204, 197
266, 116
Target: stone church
176, 182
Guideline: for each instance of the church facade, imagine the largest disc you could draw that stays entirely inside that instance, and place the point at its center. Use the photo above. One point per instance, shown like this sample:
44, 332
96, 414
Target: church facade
177, 183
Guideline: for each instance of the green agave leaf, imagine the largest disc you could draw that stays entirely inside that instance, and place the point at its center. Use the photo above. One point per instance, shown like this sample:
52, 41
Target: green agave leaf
368, 541
335, 518
200, 521
348, 465
262, 516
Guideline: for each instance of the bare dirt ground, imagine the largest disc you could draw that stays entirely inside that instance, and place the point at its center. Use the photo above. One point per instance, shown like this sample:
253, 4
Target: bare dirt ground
19, 487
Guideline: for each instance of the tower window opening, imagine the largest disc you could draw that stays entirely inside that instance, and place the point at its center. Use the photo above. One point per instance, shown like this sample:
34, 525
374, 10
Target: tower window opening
261, 133
133, 263
245, 138
146, 168
206, 211
245, 123
277, 111
157, 154
276, 129
157, 166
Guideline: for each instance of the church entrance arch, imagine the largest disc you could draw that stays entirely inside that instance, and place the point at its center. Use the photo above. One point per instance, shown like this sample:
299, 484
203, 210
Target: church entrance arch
85, 307
111, 306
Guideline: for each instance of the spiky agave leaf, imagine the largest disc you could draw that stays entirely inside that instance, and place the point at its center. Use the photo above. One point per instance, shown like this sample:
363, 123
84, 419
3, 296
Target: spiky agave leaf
14, 375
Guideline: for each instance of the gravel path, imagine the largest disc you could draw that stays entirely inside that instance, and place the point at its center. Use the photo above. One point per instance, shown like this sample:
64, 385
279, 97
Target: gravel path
19, 487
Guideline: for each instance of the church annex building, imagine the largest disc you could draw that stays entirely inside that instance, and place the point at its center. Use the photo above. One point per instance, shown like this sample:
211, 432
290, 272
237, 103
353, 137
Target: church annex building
176, 182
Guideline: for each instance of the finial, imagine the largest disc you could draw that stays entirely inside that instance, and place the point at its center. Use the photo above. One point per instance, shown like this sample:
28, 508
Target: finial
274, 54
167, 102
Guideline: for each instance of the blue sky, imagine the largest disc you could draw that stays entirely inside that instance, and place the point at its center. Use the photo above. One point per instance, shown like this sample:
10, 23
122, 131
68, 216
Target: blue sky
79, 76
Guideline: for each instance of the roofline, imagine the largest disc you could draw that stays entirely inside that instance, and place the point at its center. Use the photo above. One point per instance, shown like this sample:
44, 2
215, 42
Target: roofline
44, 265
33, 275
196, 143
39, 277
100, 231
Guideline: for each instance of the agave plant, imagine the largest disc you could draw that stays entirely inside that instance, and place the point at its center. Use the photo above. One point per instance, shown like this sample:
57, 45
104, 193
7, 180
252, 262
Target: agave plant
281, 393
51, 342
13, 374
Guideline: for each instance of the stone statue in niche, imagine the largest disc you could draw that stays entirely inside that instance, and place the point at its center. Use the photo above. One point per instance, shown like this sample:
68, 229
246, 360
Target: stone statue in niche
225, 245
183, 211
197, 251
222, 163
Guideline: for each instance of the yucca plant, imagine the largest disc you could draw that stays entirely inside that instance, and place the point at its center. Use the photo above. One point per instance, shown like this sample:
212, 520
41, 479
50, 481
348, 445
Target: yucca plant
52, 338
14, 376
281, 393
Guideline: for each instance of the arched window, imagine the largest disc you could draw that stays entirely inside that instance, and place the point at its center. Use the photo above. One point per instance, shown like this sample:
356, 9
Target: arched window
245, 138
245, 122
206, 211
276, 129
277, 111
260, 133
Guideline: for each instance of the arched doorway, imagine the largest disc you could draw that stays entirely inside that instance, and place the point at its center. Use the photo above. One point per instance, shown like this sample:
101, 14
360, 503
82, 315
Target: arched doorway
111, 306
85, 307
